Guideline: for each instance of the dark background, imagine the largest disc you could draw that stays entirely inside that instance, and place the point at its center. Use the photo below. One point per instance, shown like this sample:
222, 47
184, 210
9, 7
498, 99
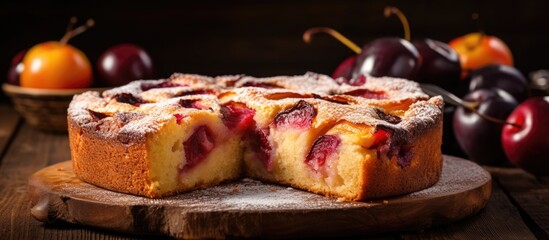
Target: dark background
263, 38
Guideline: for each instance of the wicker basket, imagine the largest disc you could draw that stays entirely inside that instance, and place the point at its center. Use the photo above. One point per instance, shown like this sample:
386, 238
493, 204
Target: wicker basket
44, 109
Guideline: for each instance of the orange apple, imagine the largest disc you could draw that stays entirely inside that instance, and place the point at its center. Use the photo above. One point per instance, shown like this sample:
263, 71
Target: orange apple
56, 65
477, 50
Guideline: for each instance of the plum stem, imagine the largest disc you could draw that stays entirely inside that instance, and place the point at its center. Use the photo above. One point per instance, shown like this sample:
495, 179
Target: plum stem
308, 36
433, 90
71, 32
70, 26
390, 10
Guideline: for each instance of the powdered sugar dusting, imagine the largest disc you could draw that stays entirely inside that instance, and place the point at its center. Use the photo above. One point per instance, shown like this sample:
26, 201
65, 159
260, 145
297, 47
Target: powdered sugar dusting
457, 176
250, 195
397, 89
323, 92
423, 114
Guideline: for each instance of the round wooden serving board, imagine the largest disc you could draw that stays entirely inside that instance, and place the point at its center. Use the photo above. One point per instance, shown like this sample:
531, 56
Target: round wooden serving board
250, 208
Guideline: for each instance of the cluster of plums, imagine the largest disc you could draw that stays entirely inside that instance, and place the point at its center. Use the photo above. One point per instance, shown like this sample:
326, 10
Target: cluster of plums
502, 92
478, 67
59, 65
424, 60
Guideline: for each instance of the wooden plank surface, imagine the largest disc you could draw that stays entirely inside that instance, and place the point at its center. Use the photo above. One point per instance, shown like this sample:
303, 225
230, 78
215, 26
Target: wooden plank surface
30, 151
499, 220
530, 194
8, 126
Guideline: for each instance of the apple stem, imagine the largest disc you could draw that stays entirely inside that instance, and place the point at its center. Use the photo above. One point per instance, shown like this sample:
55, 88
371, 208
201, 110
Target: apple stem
71, 33
308, 36
390, 10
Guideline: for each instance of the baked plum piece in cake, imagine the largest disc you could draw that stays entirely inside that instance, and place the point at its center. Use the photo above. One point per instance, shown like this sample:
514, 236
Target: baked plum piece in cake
340, 149
130, 140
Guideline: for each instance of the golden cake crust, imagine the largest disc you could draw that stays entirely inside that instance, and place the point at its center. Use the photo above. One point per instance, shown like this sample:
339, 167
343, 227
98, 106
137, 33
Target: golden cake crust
420, 128
110, 146
108, 163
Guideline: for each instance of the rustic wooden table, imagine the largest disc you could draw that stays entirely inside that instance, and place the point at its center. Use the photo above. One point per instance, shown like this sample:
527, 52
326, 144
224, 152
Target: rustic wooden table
518, 209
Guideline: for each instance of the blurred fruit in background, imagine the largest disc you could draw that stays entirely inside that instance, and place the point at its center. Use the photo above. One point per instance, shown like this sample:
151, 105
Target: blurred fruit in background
504, 77
440, 64
124, 63
16, 67
391, 57
345, 68
539, 82
58, 65
43, 80
477, 50
423, 60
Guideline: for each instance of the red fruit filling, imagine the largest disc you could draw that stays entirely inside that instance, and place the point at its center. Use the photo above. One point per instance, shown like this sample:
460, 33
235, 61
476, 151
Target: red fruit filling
365, 93
178, 118
166, 84
336, 99
388, 117
339, 99
323, 147
229, 81
380, 137
237, 117
191, 103
299, 116
283, 95
129, 99
195, 92
121, 119
359, 81
260, 145
96, 116
260, 84
404, 156
198, 146
387, 146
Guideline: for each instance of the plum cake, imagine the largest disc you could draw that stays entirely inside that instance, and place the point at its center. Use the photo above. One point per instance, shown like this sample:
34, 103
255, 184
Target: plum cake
157, 138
